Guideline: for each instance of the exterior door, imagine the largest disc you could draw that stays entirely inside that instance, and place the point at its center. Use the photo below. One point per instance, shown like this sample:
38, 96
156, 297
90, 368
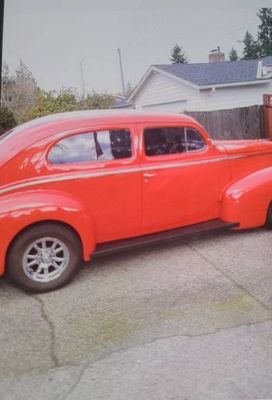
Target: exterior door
183, 176
103, 162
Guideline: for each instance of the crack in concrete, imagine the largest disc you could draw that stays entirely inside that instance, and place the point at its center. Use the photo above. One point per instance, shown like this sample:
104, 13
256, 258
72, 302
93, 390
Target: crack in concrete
52, 344
155, 340
77, 382
238, 285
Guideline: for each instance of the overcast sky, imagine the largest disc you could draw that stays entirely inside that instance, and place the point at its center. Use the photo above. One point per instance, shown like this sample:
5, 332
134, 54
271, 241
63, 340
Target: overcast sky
53, 36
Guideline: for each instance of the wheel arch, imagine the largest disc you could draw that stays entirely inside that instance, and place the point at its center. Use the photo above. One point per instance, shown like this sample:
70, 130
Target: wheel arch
19, 211
51, 270
46, 222
247, 201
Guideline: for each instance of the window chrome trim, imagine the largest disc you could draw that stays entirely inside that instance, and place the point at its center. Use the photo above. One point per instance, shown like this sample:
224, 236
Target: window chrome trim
200, 136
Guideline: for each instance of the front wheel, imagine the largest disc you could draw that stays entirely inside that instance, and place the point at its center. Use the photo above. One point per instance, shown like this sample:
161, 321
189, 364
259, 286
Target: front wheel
44, 257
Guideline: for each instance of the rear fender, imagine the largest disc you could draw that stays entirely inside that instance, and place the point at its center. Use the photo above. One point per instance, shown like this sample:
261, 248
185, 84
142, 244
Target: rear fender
246, 201
20, 210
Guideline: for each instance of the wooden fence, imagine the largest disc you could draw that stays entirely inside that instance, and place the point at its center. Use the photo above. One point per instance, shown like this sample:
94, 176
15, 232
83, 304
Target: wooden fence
237, 123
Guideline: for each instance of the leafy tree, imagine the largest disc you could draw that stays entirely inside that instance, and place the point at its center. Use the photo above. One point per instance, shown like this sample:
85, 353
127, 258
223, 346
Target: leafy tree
19, 92
53, 102
21, 95
96, 101
251, 49
233, 56
265, 31
67, 100
7, 120
178, 56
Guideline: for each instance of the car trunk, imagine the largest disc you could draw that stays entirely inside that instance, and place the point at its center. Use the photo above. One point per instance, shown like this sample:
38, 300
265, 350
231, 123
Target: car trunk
247, 156
236, 147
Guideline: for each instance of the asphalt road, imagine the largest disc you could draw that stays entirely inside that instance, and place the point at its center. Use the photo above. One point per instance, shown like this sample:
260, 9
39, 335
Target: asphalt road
182, 320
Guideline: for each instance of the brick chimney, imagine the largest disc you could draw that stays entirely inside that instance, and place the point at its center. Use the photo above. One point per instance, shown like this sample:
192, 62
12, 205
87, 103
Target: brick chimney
216, 56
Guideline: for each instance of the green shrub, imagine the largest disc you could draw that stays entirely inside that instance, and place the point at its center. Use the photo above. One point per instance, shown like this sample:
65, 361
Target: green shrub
7, 120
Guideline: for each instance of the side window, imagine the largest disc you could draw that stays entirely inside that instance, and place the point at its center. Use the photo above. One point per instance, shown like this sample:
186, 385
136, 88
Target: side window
73, 149
194, 140
92, 146
169, 140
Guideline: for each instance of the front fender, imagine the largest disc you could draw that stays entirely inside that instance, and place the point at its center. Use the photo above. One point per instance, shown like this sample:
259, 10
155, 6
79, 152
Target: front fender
246, 201
20, 210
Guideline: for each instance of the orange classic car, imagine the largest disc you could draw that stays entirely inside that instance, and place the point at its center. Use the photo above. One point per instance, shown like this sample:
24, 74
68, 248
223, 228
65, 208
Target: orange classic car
86, 183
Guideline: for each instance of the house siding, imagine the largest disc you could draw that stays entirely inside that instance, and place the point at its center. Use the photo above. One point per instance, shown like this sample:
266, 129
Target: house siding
164, 93
235, 97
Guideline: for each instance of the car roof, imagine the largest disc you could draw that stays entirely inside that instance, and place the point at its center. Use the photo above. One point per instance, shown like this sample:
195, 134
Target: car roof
30, 132
75, 118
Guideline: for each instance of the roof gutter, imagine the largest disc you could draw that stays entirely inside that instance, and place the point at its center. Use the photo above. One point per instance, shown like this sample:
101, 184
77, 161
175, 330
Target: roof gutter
160, 103
232, 84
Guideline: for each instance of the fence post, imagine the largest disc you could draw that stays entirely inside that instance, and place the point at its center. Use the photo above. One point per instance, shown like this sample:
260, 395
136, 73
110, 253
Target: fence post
267, 105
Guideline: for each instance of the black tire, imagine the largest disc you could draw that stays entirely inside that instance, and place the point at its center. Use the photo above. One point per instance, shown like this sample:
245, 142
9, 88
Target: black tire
268, 222
65, 246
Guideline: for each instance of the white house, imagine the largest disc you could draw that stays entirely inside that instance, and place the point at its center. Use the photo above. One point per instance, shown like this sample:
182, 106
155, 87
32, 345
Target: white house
202, 87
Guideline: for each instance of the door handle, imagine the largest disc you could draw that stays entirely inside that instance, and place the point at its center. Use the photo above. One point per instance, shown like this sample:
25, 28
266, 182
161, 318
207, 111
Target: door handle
149, 174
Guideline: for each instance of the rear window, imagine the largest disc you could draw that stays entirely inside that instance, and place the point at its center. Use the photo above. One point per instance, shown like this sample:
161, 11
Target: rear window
94, 146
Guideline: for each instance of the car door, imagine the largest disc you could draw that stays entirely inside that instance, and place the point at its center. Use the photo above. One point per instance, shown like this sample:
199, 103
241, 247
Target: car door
183, 176
103, 164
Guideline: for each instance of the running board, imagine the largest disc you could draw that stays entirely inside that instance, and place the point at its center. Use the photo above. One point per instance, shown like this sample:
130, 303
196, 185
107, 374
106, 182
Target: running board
117, 246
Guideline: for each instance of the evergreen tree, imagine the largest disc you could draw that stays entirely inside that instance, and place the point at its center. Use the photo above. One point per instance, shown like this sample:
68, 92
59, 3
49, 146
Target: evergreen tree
178, 56
233, 56
250, 51
265, 32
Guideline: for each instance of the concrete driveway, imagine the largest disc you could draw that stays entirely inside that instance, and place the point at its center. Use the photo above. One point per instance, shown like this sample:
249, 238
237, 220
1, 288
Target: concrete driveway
182, 320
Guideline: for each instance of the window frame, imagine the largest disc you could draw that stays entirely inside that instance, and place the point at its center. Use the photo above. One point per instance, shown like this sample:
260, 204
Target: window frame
198, 133
91, 163
173, 155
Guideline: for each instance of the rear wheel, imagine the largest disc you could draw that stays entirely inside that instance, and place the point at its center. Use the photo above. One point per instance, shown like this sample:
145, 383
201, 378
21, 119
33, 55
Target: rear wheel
268, 222
44, 257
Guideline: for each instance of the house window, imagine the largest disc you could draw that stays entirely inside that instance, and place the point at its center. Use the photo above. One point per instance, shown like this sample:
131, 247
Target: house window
171, 140
92, 146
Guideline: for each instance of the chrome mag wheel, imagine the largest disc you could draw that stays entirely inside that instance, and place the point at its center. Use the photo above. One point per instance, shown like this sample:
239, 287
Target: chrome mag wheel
45, 259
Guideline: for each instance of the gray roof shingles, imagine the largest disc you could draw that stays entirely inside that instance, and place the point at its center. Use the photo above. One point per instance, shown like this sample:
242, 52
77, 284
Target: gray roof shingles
203, 74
